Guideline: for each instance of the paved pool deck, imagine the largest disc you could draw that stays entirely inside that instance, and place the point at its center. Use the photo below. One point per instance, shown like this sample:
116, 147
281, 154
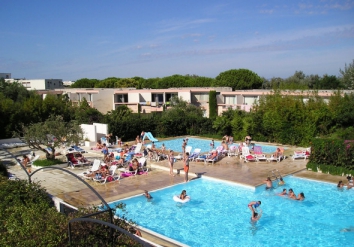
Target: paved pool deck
60, 184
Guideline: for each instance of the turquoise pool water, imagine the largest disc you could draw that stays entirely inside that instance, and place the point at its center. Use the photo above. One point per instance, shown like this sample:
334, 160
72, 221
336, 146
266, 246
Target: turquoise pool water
204, 145
217, 214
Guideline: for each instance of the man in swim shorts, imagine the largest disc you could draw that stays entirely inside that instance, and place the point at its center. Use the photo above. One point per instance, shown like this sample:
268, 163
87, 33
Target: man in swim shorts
254, 205
269, 184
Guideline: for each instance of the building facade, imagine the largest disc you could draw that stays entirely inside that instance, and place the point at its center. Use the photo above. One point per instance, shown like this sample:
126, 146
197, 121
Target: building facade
39, 84
153, 100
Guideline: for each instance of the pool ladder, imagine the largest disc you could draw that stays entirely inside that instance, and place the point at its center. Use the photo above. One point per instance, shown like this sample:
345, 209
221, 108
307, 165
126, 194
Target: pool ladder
274, 174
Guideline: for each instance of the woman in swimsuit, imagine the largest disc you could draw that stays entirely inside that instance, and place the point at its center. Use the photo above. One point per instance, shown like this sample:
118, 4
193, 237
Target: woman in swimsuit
186, 167
171, 160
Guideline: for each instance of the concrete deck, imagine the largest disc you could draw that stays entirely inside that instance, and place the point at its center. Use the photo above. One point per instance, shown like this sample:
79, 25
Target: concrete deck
72, 191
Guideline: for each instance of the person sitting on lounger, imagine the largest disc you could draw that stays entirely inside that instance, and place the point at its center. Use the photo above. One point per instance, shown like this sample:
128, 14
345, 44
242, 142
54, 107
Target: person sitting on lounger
99, 144
277, 153
134, 166
213, 155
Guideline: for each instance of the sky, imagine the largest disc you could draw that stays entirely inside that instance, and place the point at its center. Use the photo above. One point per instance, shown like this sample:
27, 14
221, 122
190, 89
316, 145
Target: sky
70, 40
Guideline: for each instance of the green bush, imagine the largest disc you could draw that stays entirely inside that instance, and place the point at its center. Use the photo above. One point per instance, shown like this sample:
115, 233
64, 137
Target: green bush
333, 156
47, 162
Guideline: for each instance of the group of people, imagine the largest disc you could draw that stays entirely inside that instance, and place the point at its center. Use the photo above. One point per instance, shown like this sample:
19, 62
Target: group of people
350, 184
228, 139
292, 195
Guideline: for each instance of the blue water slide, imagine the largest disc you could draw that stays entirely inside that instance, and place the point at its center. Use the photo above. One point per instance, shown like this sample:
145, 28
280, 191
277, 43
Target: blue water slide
150, 136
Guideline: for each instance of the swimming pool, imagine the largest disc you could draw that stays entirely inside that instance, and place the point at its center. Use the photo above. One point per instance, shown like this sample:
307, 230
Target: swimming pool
217, 214
204, 145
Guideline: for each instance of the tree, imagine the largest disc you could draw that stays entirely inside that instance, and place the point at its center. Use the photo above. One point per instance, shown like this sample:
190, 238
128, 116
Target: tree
85, 83
213, 108
347, 77
85, 114
51, 134
239, 79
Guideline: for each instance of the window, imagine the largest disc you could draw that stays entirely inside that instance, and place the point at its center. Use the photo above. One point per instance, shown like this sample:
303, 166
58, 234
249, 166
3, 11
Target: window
202, 96
121, 98
157, 98
230, 100
250, 100
170, 95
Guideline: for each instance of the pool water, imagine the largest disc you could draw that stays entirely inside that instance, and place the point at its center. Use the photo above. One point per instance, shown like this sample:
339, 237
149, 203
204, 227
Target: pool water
204, 145
217, 214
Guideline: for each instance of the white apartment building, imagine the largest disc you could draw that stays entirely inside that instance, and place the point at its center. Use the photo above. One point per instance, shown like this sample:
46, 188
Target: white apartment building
152, 100
39, 84
5, 75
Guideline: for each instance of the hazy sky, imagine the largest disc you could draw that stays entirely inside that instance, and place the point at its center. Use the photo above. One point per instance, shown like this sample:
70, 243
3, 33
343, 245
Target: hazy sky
73, 39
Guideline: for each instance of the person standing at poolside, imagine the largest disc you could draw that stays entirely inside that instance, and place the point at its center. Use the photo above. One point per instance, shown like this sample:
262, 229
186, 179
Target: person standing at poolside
186, 166
26, 163
171, 160
184, 144
212, 145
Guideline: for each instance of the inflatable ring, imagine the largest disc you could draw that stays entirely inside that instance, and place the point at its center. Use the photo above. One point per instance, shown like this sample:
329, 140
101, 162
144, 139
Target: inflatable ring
177, 199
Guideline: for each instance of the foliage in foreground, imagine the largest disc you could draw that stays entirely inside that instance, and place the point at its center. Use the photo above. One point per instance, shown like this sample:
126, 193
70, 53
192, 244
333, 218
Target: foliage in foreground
28, 218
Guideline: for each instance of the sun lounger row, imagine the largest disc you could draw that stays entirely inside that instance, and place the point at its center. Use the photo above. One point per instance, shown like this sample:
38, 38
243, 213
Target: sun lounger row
99, 172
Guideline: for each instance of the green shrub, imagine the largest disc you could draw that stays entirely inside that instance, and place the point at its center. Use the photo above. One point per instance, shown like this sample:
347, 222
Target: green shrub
3, 170
333, 156
47, 162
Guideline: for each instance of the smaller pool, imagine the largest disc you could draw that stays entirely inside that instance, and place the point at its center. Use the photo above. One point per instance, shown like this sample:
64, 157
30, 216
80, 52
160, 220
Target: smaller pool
204, 145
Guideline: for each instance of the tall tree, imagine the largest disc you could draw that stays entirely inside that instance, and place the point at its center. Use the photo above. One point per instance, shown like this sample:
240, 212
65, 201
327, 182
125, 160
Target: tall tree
239, 79
347, 76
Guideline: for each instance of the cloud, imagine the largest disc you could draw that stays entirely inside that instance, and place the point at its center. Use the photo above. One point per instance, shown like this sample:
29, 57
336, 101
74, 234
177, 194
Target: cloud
172, 25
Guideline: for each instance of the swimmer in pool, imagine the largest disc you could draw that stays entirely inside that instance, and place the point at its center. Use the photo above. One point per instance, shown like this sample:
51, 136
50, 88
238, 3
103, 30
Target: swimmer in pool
281, 182
254, 205
283, 193
256, 216
300, 197
147, 195
291, 194
183, 195
269, 184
